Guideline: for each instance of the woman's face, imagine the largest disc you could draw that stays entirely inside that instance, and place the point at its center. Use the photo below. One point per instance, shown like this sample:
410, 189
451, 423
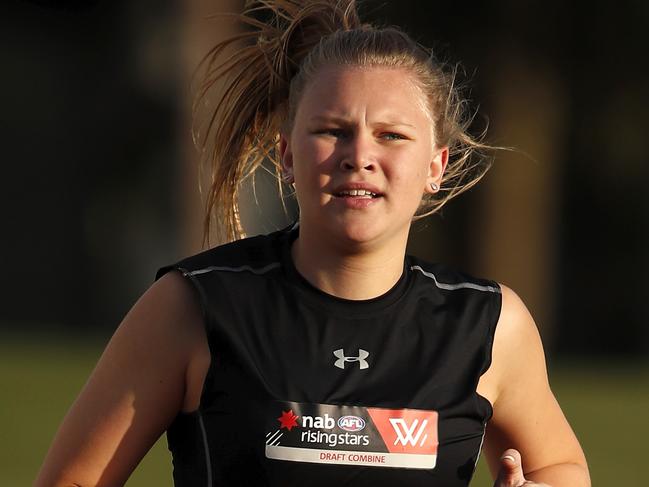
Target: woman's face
362, 153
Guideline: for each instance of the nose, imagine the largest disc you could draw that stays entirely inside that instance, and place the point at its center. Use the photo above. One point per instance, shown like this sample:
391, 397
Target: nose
358, 154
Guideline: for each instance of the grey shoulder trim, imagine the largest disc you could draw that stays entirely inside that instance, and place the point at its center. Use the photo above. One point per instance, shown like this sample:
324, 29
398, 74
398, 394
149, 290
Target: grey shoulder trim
453, 287
243, 268
484, 430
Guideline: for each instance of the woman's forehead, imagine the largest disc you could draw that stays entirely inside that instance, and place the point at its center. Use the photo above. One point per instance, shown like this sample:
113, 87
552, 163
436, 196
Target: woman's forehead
340, 91
341, 76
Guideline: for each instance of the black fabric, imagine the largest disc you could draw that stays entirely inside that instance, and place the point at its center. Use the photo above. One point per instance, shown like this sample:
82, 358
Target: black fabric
272, 336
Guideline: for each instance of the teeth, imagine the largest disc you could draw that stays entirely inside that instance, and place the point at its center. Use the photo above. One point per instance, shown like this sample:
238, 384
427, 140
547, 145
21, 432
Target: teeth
358, 192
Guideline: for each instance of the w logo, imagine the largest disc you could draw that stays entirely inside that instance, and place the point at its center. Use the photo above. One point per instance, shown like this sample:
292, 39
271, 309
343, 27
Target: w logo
407, 430
409, 435
362, 355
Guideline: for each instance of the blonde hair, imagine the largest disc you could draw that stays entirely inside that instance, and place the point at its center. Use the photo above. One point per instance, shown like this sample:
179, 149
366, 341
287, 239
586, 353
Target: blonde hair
284, 43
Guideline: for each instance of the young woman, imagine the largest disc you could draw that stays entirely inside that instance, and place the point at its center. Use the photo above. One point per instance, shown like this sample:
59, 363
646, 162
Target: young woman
322, 354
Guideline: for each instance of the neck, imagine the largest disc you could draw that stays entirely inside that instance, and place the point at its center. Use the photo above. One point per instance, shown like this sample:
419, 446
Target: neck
361, 274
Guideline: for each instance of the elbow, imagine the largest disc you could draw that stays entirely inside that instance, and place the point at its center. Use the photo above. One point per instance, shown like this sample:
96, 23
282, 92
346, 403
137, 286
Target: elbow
562, 475
44, 481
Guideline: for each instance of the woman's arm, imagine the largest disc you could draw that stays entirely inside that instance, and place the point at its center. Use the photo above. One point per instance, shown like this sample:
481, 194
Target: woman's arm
526, 415
135, 391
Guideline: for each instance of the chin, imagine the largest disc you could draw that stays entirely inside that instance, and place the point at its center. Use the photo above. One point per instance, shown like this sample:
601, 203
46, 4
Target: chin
361, 234
354, 232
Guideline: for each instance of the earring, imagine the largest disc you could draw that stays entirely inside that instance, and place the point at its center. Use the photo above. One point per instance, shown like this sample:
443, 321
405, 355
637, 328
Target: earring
288, 178
434, 187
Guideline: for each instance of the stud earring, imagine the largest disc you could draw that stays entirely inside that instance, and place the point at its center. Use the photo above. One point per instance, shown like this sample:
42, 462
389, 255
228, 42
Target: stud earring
288, 178
434, 187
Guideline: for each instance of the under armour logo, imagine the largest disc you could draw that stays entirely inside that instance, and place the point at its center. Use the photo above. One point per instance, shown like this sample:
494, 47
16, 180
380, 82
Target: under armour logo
362, 355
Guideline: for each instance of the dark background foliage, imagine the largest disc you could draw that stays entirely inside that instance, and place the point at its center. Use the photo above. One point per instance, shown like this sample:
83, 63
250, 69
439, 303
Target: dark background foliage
93, 156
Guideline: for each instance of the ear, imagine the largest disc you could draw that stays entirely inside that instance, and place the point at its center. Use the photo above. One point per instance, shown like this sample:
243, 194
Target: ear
286, 155
436, 170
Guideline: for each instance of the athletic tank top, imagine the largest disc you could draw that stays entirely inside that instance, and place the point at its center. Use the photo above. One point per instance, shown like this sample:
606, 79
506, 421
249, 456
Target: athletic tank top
305, 388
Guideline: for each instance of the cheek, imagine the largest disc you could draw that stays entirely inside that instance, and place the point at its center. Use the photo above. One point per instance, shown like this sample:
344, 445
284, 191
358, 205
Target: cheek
412, 169
311, 157
410, 179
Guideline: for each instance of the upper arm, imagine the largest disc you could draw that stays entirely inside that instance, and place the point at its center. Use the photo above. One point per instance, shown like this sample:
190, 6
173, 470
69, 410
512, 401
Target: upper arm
135, 391
526, 414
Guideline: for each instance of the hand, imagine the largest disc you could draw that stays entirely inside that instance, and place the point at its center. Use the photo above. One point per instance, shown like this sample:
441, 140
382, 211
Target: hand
511, 472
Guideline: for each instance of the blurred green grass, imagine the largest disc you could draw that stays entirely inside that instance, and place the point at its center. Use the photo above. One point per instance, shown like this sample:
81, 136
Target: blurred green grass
607, 405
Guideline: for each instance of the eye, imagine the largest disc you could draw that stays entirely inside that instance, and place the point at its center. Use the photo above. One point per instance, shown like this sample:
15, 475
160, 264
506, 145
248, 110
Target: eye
332, 132
392, 136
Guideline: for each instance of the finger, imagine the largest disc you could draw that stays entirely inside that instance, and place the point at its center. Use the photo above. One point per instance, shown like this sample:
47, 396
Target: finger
511, 470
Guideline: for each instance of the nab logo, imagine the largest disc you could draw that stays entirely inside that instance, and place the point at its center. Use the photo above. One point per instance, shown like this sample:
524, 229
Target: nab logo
362, 355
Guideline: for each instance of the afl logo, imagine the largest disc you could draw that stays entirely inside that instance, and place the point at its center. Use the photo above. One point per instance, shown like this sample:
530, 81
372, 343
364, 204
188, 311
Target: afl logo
351, 423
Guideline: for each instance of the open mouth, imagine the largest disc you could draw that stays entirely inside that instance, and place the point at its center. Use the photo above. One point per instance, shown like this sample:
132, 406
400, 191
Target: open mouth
357, 193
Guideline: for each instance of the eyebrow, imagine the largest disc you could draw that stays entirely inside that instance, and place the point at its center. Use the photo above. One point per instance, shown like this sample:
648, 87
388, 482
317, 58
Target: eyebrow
347, 121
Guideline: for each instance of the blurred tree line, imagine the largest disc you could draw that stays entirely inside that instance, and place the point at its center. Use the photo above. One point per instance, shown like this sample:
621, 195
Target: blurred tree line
94, 158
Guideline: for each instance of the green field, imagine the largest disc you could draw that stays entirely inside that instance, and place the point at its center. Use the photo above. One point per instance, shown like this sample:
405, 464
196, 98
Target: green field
607, 404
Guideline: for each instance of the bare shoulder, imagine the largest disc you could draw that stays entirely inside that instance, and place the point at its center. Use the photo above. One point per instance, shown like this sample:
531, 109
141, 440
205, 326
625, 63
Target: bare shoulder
526, 415
516, 344
164, 327
168, 310
137, 388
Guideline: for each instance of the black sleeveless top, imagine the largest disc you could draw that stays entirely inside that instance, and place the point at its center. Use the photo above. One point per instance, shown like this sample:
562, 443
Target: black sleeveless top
305, 388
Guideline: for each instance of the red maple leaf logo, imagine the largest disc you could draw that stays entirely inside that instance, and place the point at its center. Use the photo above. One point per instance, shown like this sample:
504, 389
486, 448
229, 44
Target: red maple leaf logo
287, 420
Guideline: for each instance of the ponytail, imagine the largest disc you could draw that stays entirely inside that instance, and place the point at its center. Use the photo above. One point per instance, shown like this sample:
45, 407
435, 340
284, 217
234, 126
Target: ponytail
251, 109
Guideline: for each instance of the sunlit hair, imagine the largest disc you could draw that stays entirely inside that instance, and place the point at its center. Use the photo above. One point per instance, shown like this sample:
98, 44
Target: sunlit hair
261, 74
